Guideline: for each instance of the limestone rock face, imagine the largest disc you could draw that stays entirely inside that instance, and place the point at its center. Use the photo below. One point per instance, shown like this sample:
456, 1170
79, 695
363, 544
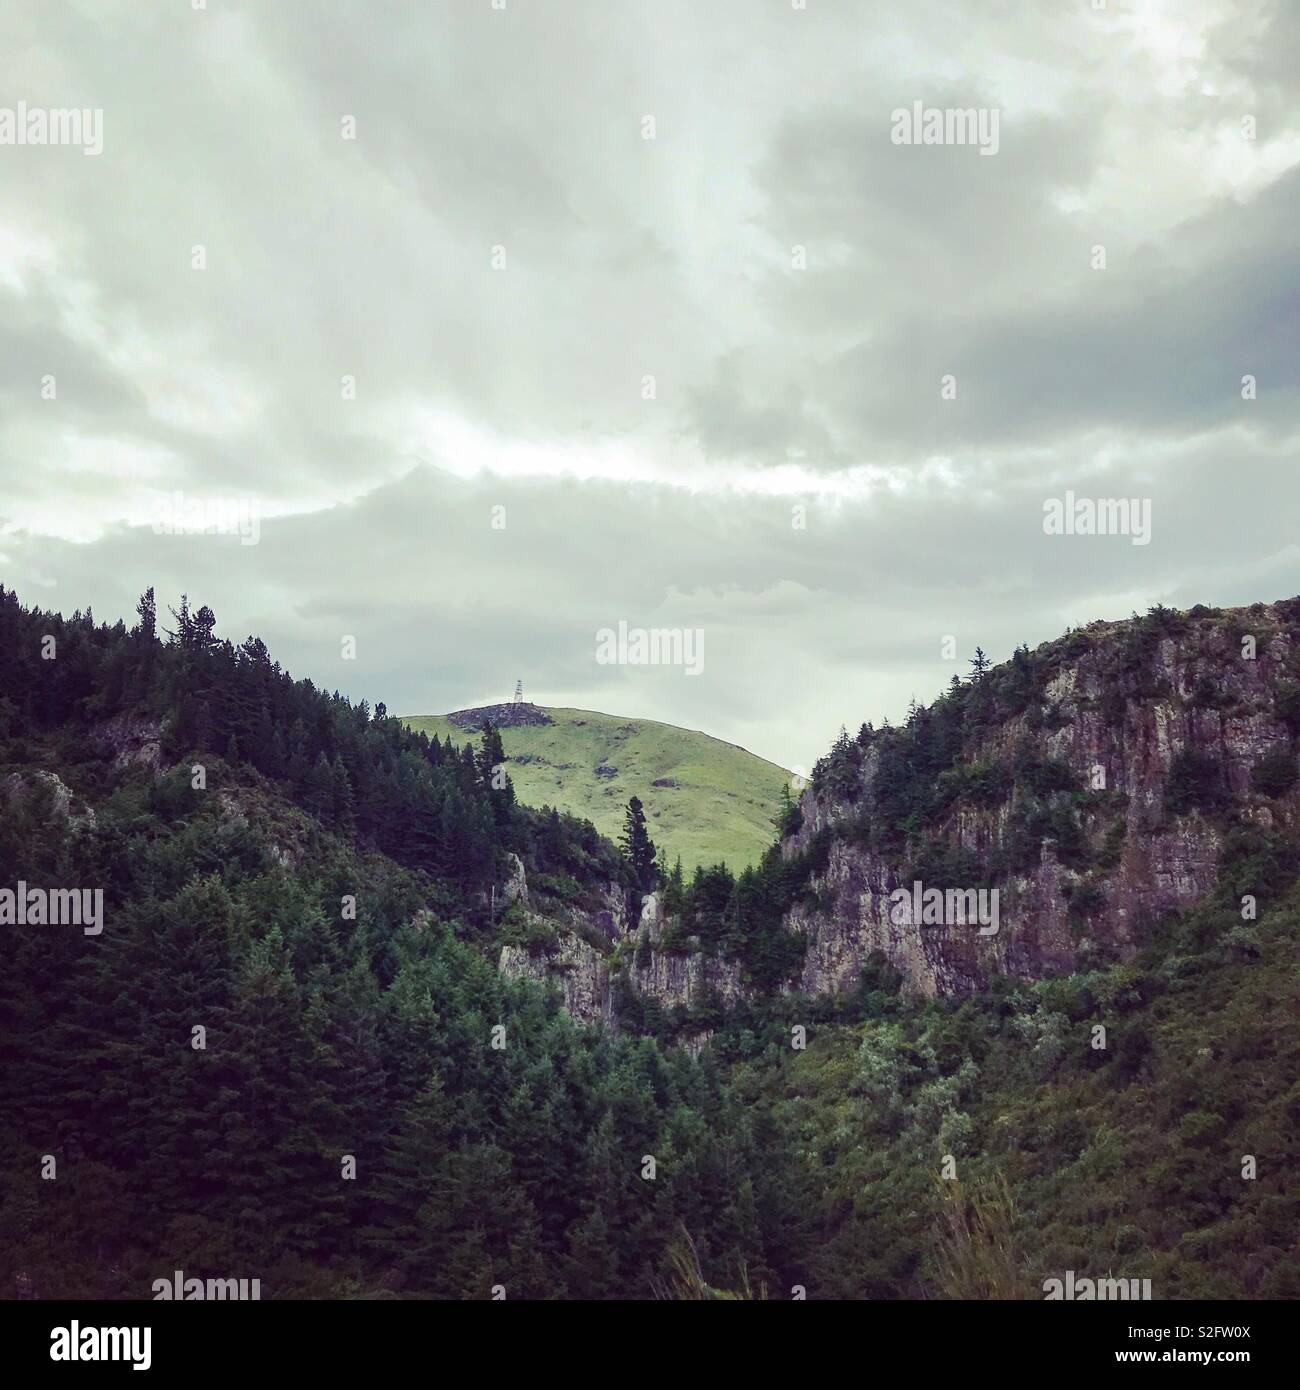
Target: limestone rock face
1122, 745
1033, 937
1116, 718
575, 968
516, 886
132, 742
651, 925
681, 978
584, 975
611, 916
687, 980
64, 805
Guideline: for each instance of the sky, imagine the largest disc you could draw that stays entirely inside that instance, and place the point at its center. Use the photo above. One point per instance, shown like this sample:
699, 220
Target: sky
496, 324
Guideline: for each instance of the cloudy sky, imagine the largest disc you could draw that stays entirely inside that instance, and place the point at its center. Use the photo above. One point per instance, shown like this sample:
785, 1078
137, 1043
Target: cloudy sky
507, 323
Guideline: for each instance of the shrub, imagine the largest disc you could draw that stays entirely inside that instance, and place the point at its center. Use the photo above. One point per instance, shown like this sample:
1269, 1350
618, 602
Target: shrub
1195, 783
1046, 775
1275, 773
1087, 899
941, 865
1207, 695
1112, 845
1287, 705
1255, 862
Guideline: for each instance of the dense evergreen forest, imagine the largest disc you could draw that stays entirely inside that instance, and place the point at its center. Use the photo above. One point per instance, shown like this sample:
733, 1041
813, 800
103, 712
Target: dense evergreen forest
327, 1035
374, 1112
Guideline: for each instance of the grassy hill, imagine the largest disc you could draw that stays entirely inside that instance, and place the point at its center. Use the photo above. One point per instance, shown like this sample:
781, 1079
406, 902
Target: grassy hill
704, 799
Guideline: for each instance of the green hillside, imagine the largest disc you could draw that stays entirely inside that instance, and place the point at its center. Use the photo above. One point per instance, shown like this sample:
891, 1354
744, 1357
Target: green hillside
705, 799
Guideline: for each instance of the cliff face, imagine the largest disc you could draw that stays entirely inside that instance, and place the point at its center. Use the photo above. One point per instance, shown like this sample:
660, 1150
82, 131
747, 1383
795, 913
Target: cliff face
1162, 739
572, 966
635, 959
131, 741
677, 978
1070, 798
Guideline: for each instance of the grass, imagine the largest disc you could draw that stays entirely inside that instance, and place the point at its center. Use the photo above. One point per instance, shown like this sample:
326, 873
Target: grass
718, 805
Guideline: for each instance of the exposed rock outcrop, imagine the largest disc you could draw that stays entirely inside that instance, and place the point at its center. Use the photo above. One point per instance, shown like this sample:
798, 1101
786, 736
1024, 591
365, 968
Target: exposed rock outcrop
1117, 722
676, 978
1089, 785
507, 716
684, 980
516, 885
571, 965
132, 742
683, 977
51, 790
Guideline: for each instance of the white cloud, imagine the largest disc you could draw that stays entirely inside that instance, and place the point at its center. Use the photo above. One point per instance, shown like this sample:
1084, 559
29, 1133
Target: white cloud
673, 259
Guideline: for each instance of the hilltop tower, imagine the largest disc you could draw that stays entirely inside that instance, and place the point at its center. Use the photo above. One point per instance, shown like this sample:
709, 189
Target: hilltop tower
519, 693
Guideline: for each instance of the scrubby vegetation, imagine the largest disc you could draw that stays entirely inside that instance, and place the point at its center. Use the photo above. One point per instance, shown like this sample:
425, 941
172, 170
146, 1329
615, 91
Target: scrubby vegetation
1125, 1152
326, 1035
204, 1073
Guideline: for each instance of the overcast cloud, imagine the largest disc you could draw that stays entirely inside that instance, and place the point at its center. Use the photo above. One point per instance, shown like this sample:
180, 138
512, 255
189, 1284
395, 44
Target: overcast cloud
500, 259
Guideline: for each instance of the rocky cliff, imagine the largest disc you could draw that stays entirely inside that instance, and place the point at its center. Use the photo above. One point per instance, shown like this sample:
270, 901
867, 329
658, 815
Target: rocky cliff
1092, 785
597, 961
1060, 804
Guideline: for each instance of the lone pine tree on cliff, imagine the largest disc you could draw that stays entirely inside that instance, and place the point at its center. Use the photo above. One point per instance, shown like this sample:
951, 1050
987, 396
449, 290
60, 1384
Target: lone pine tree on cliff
638, 848
491, 753
491, 766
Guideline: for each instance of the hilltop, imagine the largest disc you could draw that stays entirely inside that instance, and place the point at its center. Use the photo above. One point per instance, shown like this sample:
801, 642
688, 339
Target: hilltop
706, 800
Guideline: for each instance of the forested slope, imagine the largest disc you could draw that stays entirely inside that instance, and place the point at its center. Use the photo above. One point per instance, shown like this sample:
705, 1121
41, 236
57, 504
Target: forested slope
326, 1035
289, 1054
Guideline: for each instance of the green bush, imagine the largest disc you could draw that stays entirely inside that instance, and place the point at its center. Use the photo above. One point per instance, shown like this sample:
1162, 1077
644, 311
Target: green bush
1195, 783
1286, 703
1275, 773
1045, 775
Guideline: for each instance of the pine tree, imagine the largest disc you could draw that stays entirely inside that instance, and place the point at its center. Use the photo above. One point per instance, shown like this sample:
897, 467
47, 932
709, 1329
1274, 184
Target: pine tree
788, 818
638, 848
675, 891
261, 743
490, 763
319, 792
344, 806
147, 608
411, 1188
